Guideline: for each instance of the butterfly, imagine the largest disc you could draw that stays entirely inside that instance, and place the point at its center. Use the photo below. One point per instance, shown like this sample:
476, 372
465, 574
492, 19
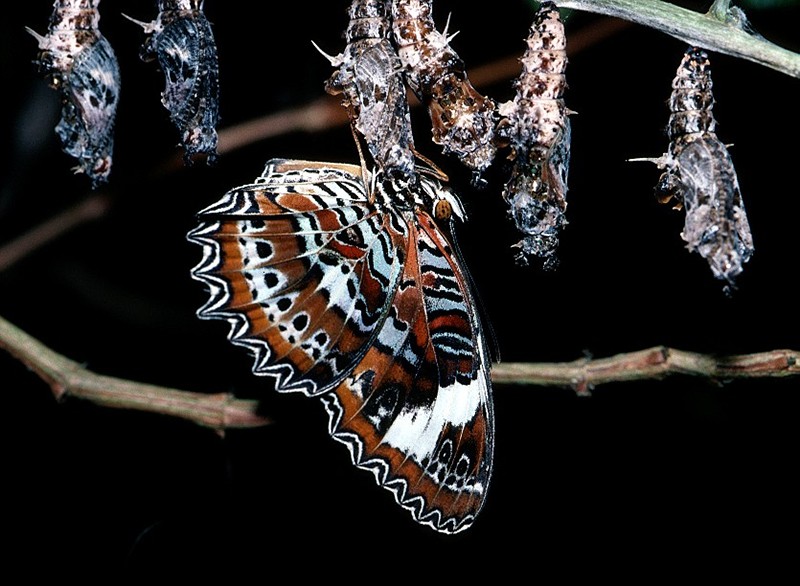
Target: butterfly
344, 287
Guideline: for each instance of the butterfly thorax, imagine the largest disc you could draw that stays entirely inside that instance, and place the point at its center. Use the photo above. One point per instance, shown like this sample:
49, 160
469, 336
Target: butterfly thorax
424, 193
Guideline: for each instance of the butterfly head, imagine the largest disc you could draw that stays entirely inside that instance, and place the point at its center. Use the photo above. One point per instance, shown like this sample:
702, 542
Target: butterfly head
440, 200
423, 191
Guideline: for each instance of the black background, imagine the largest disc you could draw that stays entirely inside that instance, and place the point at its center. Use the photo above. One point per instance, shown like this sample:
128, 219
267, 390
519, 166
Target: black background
639, 480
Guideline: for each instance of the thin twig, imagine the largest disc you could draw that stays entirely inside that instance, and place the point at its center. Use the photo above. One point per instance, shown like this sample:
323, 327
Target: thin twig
326, 112
653, 363
91, 208
708, 31
222, 411
67, 378
322, 114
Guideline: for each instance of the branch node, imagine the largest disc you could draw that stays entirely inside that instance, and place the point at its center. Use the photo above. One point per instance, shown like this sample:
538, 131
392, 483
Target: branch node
582, 387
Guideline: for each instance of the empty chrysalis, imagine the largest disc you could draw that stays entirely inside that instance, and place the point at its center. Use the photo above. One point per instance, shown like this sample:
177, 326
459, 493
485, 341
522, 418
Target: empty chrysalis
699, 175
370, 79
79, 62
463, 120
535, 124
182, 41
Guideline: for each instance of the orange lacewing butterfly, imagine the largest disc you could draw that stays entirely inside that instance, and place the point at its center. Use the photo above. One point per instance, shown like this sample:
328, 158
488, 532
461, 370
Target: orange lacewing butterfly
699, 173
182, 41
79, 62
343, 286
536, 126
463, 120
369, 76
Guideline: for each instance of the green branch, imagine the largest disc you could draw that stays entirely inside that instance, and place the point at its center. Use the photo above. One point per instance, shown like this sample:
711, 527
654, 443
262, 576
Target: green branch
721, 29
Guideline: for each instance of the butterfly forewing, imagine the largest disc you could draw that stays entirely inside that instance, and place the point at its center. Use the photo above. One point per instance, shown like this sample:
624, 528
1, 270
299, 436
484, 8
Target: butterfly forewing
353, 294
284, 258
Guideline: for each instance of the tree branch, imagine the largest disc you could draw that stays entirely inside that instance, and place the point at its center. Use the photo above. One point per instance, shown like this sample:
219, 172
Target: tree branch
67, 378
653, 363
723, 31
222, 411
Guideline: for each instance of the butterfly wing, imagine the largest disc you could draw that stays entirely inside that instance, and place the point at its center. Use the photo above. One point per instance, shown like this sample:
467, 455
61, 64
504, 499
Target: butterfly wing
301, 266
365, 306
417, 410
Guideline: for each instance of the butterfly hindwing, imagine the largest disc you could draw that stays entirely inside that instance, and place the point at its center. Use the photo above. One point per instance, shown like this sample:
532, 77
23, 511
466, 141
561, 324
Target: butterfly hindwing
417, 411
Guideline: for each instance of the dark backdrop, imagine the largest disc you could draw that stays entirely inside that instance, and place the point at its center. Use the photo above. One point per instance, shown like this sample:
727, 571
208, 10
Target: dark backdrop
653, 477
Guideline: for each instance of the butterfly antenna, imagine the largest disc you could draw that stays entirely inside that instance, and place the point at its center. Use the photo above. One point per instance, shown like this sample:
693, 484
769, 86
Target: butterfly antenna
430, 167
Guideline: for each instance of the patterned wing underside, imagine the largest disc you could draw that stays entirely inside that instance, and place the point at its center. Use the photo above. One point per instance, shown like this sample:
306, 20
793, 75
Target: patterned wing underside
363, 305
416, 410
301, 265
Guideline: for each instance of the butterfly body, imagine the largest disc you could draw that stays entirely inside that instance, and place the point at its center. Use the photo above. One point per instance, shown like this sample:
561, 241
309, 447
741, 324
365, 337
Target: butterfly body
344, 287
